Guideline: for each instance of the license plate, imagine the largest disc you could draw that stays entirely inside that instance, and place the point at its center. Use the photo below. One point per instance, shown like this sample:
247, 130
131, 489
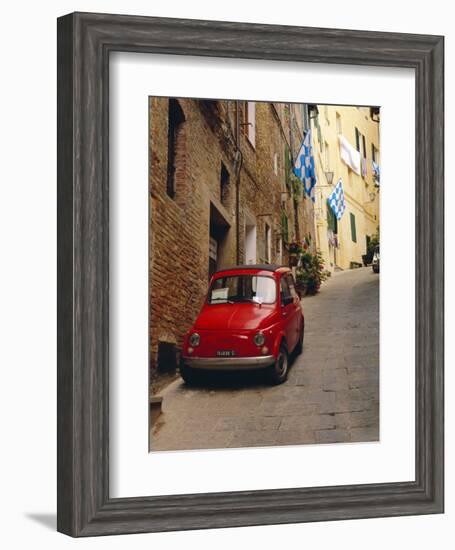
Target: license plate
226, 353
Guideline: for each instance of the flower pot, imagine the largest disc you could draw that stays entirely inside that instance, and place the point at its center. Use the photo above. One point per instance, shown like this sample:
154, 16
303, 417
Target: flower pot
293, 260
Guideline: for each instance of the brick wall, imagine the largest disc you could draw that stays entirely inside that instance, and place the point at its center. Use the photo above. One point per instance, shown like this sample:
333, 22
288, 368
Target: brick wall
181, 225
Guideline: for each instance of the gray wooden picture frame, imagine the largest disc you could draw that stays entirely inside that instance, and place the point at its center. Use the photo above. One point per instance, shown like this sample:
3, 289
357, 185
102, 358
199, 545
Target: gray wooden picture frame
84, 44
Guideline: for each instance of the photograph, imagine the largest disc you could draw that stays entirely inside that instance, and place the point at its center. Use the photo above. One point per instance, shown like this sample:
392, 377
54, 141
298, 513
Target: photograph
264, 273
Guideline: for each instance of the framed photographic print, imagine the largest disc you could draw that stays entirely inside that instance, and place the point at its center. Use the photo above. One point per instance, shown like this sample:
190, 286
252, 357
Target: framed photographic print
250, 252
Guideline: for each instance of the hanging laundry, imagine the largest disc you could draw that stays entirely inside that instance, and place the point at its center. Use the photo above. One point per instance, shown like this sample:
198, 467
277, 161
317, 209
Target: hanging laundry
349, 155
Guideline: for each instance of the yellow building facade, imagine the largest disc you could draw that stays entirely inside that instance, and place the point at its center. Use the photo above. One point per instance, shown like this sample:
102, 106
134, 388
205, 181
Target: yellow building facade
345, 145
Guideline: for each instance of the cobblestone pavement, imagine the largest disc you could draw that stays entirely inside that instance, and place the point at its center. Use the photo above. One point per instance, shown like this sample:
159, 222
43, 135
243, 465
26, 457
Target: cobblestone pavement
331, 395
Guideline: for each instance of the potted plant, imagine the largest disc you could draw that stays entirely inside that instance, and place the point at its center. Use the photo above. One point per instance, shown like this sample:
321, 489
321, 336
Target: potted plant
311, 273
372, 244
294, 253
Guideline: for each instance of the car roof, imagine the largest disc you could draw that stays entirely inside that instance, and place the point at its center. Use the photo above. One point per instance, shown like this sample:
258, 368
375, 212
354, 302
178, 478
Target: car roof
254, 267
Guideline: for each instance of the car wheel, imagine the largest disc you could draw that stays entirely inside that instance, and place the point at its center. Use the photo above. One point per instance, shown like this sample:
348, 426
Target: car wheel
376, 269
188, 374
278, 372
299, 345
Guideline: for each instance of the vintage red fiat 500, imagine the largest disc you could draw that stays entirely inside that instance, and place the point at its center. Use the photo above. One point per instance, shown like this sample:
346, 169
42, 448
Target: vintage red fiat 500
251, 319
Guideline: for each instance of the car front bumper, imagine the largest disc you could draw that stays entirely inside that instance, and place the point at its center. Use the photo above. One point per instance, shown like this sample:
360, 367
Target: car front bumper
229, 363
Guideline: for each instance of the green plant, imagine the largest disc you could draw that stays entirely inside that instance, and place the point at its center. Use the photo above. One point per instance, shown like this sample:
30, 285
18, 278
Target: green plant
374, 241
295, 248
296, 187
311, 272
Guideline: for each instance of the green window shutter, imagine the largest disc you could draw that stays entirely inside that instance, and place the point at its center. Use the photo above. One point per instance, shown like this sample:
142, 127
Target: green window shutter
353, 229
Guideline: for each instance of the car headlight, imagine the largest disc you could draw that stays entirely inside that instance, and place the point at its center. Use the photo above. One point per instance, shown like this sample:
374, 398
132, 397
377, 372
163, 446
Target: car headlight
195, 339
259, 339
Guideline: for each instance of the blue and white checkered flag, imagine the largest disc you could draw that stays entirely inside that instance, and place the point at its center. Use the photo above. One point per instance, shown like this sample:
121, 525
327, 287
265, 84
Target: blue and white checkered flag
336, 200
304, 166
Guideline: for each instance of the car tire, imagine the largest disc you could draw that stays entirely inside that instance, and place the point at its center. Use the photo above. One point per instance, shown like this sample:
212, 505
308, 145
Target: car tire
188, 374
376, 269
278, 372
299, 345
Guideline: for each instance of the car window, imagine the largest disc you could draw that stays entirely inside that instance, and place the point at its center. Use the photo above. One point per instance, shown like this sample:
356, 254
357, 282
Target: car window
284, 289
242, 288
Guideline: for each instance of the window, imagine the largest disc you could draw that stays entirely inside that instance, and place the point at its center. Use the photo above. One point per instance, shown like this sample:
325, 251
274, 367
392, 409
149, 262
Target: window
213, 256
374, 153
175, 153
267, 243
224, 184
357, 139
363, 159
326, 114
318, 129
326, 157
305, 117
353, 228
249, 121
250, 239
338, 121
332, 222
275, 164
360, 143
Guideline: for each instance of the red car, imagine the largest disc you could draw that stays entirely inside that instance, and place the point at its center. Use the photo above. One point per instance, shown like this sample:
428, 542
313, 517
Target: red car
251, 319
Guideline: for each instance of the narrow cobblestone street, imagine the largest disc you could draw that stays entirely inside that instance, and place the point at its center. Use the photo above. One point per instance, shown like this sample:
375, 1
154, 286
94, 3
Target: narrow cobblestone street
331, 395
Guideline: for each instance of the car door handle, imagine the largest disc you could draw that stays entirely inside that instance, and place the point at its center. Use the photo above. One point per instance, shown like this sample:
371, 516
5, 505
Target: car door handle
285, 313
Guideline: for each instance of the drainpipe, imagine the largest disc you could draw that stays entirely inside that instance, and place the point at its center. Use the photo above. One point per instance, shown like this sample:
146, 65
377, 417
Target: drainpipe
237, 169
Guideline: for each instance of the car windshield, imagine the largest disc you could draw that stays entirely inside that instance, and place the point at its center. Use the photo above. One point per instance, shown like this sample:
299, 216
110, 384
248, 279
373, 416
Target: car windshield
242, 288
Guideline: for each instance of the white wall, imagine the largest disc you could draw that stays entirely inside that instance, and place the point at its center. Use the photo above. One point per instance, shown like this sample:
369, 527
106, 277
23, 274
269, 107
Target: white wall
28, 274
